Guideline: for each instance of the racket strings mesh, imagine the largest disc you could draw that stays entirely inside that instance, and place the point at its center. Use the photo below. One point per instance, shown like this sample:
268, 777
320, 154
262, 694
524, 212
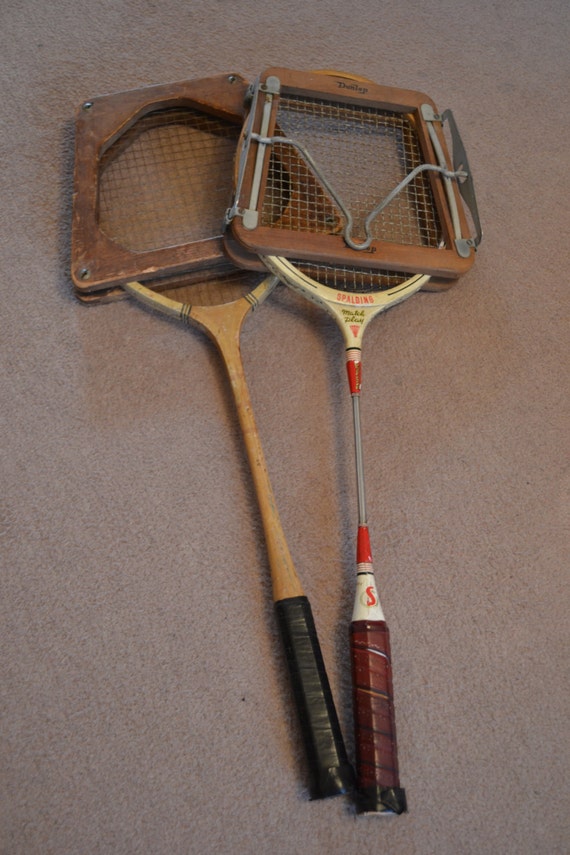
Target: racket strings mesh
164, 182
364, 153
294, 199
350, 279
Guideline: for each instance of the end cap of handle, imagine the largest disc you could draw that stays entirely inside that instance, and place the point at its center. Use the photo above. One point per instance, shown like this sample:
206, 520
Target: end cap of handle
336, 781
381, 800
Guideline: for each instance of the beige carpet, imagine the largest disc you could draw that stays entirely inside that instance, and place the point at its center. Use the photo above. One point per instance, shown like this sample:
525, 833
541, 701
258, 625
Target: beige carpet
145, 707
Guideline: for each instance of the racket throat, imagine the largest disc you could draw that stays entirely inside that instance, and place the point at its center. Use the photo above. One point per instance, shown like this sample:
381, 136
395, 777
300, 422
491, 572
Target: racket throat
367, 600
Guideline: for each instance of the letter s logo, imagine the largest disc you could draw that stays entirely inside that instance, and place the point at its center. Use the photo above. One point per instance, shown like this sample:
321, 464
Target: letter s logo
371, 593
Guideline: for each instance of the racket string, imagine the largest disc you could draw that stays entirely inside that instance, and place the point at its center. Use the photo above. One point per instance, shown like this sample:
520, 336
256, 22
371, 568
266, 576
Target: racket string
164, 182
365, 152
350, 279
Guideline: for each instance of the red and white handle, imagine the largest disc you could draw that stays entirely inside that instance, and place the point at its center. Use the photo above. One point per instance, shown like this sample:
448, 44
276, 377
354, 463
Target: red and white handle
378, 782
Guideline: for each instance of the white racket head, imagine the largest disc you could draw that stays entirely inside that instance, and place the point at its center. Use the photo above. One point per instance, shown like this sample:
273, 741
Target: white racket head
340, 169
153, 176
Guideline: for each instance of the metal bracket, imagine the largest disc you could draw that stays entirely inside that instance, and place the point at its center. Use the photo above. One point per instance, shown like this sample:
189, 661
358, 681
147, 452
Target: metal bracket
269, 90
460, 173
464, 182
272, 86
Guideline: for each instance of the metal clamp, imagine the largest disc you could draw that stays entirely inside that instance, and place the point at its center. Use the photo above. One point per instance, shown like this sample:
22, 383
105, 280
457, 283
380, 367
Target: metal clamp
269, 89
464, 177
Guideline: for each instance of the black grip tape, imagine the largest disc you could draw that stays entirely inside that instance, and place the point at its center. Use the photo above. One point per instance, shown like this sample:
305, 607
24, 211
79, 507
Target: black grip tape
330, 772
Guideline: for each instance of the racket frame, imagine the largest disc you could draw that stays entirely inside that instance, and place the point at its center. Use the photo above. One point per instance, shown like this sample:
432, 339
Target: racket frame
353, 312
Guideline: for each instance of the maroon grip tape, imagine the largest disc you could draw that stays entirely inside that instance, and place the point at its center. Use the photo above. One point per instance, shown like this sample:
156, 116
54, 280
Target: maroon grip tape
373, 702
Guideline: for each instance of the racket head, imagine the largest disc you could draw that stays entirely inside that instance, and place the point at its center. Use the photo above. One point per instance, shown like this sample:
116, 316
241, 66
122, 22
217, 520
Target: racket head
152, 182
362, 140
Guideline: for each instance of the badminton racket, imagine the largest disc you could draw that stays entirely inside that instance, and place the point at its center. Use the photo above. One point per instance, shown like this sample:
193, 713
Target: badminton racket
219, 309
153, 176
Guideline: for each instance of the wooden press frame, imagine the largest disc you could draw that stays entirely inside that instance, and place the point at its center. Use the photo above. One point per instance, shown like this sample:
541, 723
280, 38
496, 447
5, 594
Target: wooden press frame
98, 264
452, 258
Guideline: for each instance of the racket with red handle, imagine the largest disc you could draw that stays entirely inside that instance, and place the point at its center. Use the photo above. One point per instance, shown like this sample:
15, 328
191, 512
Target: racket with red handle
371, 659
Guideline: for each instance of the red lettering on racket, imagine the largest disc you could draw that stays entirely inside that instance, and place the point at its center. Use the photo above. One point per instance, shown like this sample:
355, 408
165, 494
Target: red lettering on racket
372, 600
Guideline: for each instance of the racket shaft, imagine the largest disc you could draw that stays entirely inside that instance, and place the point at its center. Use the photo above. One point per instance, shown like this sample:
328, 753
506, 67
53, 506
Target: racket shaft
330, 772
361, 490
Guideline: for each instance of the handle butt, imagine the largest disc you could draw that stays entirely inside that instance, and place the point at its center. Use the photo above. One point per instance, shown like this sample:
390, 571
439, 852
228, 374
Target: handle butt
330, 772
381, 800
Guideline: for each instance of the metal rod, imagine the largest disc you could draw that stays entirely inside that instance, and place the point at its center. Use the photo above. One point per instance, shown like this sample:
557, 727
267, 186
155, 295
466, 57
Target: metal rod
362, 515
